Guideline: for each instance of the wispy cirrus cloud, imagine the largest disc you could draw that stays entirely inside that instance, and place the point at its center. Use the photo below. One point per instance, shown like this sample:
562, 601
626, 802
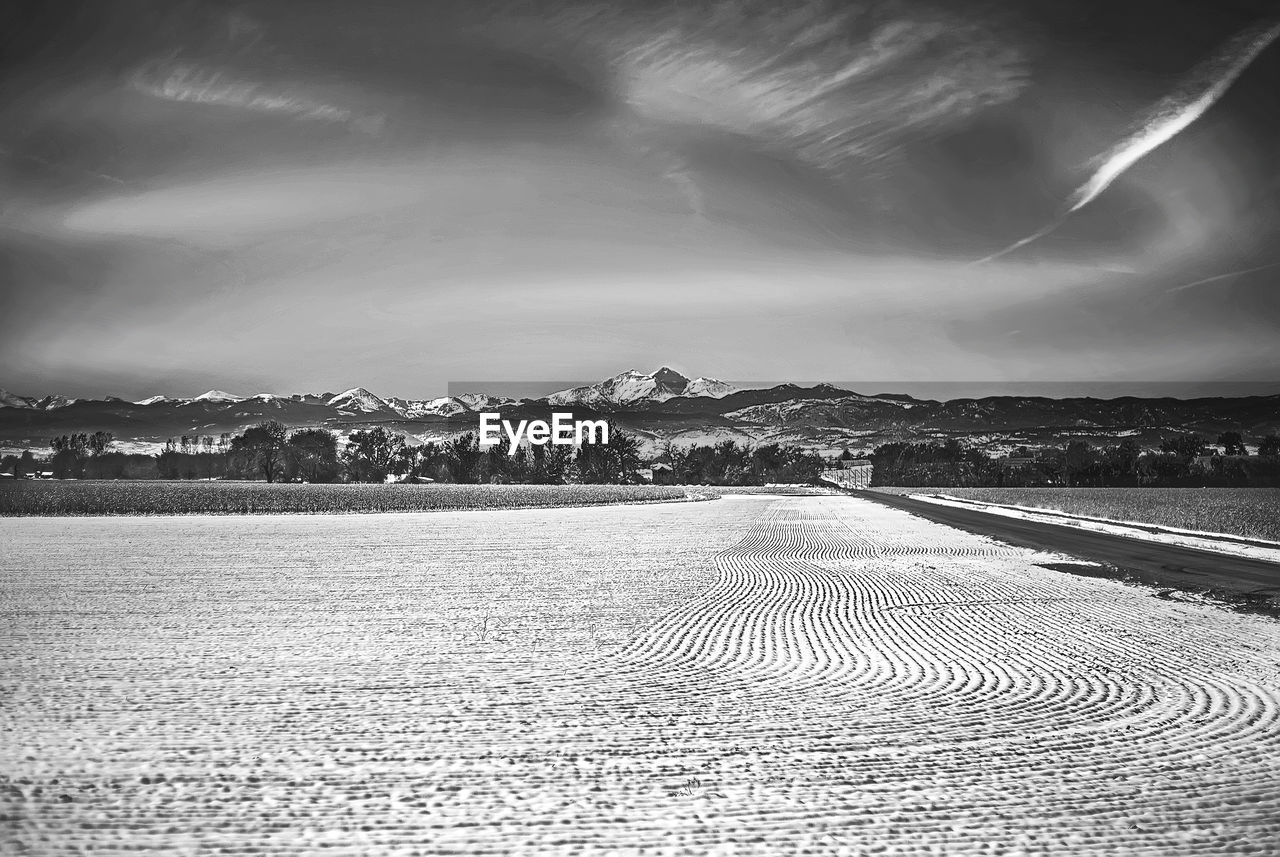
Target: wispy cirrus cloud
831, 84
174, 80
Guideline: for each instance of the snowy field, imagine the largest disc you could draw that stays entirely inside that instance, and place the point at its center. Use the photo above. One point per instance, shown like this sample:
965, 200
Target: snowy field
756, 674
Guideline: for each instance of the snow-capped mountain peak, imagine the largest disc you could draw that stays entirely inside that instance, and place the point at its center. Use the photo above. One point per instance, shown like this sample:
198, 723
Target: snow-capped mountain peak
668, 377
443, 406
632, 387
448, 406
357, 399
709, 387
218, 396
483, 401
13, 400
48, 403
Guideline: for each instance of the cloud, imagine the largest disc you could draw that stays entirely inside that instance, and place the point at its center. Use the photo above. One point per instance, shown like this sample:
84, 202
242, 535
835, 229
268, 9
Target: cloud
781, 186
191, 82
232, 208
1175, 113
832, 85
1172, 115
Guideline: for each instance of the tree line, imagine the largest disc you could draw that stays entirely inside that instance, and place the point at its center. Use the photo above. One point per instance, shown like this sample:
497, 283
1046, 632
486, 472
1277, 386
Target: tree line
271, 452
730, 463
373, 455
1180, 460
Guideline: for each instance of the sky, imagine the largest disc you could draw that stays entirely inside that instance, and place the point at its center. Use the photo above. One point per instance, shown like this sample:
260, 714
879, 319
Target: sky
309, 195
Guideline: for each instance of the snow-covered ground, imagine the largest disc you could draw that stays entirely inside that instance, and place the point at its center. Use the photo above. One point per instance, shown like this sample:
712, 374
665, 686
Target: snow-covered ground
754, 675
1220, 542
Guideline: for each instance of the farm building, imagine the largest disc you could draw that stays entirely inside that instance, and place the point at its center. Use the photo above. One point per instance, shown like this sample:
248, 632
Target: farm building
663, 474
658, 474
850, 473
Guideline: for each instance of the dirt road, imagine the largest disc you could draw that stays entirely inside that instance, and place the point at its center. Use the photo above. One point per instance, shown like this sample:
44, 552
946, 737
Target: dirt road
1152, 562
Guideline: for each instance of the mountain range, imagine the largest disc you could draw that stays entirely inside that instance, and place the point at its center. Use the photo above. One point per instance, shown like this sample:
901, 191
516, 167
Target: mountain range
631, 388
659, 406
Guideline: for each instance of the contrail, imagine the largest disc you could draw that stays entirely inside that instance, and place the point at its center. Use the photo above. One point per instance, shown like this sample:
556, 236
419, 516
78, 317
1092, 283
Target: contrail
1205, 84
1174, 113
1054, 224
1218, 277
